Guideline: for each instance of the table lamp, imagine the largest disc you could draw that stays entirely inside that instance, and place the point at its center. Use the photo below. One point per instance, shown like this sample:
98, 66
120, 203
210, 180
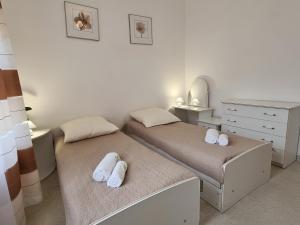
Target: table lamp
179, 101
195, 102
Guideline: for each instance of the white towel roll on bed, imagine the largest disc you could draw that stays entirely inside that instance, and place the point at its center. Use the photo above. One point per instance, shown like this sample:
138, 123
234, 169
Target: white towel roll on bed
212, 136
223, 140
118, 175
106, 166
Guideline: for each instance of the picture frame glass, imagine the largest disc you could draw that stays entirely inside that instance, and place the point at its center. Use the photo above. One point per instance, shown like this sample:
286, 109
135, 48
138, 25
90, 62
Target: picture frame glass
140, 28
82, 21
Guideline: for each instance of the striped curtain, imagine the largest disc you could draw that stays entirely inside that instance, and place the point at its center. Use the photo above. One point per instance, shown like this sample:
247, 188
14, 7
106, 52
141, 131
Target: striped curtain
6, 211
16, 147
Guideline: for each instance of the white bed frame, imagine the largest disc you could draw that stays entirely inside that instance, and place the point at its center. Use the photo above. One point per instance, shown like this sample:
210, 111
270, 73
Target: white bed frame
175, 205
242, 175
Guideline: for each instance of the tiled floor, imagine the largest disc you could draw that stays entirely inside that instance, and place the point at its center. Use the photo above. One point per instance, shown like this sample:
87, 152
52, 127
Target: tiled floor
275, 203
51, 210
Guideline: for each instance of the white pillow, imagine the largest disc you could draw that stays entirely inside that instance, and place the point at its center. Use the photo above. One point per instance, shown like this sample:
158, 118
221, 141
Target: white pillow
154, 116
87, 127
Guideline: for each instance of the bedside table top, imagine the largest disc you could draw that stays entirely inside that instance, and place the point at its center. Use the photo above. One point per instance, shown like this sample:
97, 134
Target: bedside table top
39, 133
192, 108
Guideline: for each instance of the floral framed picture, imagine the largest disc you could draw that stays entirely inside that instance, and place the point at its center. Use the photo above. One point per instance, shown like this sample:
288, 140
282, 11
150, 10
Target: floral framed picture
82, 21
140, 28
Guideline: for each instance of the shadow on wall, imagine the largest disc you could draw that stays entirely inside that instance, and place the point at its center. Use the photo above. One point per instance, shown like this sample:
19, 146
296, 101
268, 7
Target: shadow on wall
29, 91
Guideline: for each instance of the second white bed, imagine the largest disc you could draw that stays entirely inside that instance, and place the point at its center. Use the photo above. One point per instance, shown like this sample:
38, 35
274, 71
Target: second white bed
228, 173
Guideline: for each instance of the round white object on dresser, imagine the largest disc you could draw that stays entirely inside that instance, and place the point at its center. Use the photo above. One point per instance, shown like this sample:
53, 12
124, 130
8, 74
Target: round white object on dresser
44, 152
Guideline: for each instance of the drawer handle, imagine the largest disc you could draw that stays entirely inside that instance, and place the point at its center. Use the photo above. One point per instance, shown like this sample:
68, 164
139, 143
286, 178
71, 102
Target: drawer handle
232, 109
268, 114
233, 132
269, 128
232, 121
268, 141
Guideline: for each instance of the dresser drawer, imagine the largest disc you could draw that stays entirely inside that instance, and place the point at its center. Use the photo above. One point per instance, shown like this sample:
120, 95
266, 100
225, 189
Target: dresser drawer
277, 142
269, 127
264, 113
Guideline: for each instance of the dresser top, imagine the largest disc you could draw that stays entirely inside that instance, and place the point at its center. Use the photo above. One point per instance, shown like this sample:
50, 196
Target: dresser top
262, 103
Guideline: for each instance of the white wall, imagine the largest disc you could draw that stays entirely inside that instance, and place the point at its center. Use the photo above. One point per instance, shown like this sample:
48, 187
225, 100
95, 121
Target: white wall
67, 78
246, 48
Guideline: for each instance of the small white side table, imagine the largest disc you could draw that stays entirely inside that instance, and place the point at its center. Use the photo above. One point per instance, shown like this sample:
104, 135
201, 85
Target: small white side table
192, 114
44, 152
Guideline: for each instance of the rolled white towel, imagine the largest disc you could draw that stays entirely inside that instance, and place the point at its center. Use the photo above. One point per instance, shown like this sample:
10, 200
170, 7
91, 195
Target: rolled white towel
223, 140
118, 175
212, 136
106, 166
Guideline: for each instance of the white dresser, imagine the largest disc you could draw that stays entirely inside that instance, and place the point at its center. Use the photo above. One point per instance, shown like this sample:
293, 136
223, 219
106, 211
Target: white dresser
271, 121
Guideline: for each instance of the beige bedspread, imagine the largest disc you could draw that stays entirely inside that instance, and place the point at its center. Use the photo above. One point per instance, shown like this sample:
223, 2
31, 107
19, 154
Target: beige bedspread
85, 200
185, 142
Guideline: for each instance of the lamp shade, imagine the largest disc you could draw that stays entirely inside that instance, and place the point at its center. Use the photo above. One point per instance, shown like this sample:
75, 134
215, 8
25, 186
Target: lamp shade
31, 124
179, 101
195, 102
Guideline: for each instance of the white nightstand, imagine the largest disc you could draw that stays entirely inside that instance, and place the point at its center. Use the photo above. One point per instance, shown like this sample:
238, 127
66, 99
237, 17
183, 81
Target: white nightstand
192, 114
44, 151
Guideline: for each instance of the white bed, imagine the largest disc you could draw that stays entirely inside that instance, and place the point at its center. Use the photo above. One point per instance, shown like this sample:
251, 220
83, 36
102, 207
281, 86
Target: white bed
155, 190
241, 174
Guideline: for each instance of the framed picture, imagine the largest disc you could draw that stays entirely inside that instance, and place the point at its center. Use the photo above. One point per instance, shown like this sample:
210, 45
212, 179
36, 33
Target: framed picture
82, 21
140, 28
